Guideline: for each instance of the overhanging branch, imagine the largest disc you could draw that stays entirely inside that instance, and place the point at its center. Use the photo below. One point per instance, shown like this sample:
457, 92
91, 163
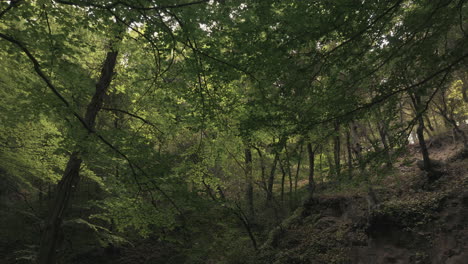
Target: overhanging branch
129, 5
41, 74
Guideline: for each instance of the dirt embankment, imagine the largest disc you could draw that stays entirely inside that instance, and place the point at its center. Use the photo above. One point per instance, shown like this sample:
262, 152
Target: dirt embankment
415, 222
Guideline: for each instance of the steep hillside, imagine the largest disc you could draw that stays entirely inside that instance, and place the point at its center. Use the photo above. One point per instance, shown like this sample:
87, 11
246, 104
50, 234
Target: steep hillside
414, 221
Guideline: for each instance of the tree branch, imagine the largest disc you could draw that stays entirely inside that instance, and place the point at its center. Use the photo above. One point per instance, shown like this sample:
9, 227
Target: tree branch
383, 98
129, 5
49, 84
133, 115
13, 3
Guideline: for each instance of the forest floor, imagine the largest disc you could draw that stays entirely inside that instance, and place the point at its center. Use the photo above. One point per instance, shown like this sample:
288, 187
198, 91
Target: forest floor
414, 221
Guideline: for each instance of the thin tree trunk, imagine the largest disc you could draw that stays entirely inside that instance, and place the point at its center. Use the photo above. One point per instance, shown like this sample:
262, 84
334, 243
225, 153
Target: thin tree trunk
350, 156
422, 144
283, 173
321, 163
402, 112
245, 222
67, 184
337, 149
331, 166
288, 163
357, 148
385, 142
371, 137
311, 186
296, 178
249, 177
271, 179
427, 166
263, 168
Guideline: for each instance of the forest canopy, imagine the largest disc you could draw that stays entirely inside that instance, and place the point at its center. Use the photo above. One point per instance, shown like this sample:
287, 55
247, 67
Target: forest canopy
203, 122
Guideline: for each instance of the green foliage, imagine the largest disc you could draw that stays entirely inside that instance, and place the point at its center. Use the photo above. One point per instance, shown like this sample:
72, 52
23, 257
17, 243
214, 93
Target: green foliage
198, 83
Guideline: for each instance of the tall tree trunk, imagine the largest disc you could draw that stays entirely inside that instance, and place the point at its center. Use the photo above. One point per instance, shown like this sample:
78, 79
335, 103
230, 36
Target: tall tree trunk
321, 164
357, 148
385, 142
427, 165
296, 178
331, 166
271, 179
283, 173
369, 135
249, 177
401, 112
337, 149
67, 184
289, 172
422, 144
350, 156
263, 168
311, 185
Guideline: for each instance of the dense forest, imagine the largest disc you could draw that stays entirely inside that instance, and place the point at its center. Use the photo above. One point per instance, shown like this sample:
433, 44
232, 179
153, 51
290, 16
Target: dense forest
233, 131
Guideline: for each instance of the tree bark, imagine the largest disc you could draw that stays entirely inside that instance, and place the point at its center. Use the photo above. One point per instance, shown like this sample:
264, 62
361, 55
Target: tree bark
249, 177
311, 185
271, 179
337, 149
350, 156
263, 168
296, 178
357, 148
385, 142
422, 144
283, 173
288, 164
67, 184
427, 166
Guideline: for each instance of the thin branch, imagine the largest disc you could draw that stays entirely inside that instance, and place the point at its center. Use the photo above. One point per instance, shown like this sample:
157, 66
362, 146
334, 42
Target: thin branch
13, 3
357, 35
41, 74
384, 97
129, 5
37, 68
135, 116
